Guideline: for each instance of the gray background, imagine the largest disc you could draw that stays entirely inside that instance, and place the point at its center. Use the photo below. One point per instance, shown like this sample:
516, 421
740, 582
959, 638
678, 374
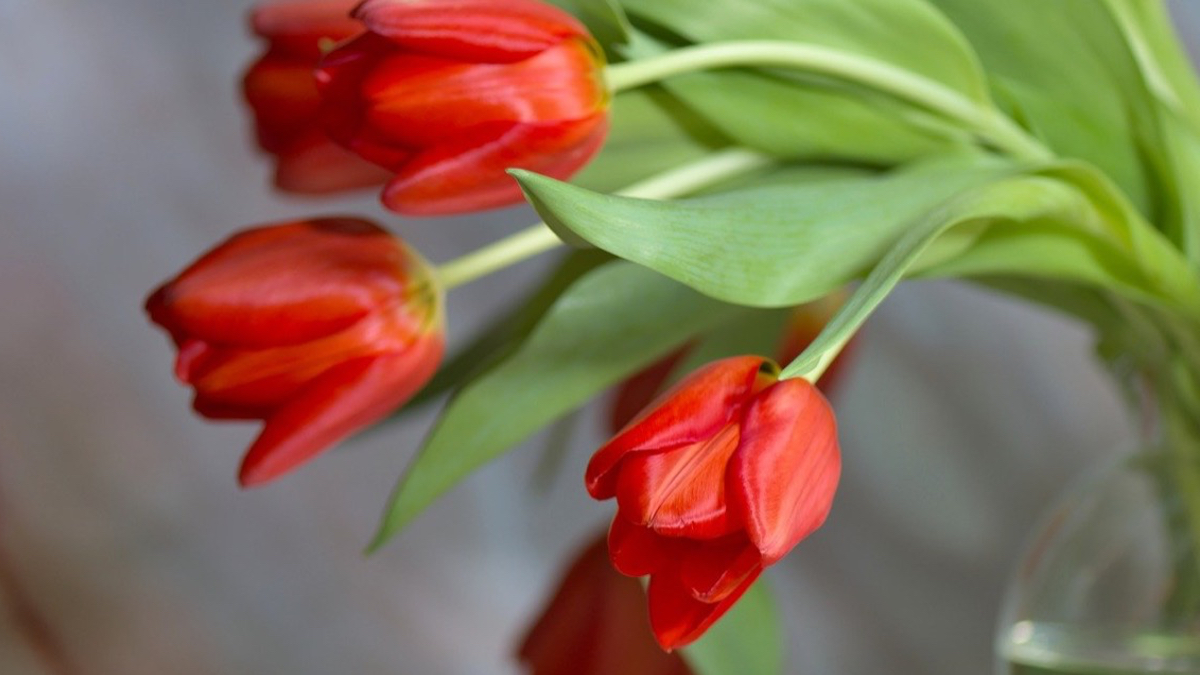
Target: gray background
126, 548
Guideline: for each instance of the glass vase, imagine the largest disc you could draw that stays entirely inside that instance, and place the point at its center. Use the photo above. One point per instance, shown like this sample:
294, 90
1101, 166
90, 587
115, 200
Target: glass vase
1109, 582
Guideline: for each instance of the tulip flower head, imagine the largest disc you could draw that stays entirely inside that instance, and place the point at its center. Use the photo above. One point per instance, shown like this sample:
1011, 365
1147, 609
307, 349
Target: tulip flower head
719, 478
449, 94
595, 624
282, 92
319, 328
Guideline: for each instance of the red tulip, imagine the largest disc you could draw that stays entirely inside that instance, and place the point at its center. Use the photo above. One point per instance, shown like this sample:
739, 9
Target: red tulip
595, 624
722, 476
319, 328
282, 92
448, 94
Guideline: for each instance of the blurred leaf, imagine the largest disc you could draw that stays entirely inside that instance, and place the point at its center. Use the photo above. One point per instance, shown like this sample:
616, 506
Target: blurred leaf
1174, 93
753, 332
610, 323
746, 641
604, 19
651, 132
818, 119
776, 245
1064, 70
504, 334
796, 116
908, 34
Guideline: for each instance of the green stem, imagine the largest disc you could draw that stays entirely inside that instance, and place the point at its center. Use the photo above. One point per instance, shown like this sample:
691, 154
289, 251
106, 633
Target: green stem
988, 123
539, 238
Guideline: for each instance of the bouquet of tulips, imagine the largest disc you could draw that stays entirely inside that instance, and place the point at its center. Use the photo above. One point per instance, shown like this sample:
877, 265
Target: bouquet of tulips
731, 188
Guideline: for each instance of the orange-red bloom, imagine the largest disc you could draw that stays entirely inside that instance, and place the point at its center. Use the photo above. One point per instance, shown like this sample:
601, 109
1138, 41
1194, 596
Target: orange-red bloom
282, 92
595, 624
319, 328
448, 94
719, 478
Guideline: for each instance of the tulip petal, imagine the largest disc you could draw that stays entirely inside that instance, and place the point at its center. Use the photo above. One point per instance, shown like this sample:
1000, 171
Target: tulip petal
678, 618
315, 165
693, 410
347, 398
298, 29
416, 101
680, 492
283, 285
496, 31
283, 96
639, 390
637, 551
713, 570
596, 624
468, 174
784, 473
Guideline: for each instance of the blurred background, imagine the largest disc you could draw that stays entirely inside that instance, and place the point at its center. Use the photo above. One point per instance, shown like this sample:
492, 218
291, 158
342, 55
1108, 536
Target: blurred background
126, 547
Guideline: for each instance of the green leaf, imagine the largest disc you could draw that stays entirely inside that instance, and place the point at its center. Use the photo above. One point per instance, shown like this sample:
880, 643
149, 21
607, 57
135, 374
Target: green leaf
1063, 68
1174, 95
1030, 199
779, 244
746, 641
504, 334
651, 132
612, 322
604, 19
820, 119
909, 34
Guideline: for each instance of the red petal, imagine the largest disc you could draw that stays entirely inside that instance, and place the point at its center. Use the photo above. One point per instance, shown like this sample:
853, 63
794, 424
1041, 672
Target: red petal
282, 93
638, 391
470, 174
680, 492
713, 570
691, 411
339, 77
677, 617
637, 551
496, 31
596, 624
316, 165
785, 471
422, 102
284, 284
299, 28
349, 397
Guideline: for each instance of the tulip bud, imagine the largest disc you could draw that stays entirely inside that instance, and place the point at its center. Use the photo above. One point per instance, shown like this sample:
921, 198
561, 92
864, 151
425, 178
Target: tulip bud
282, 92
449, 94
720, 477
319, 328
595, 624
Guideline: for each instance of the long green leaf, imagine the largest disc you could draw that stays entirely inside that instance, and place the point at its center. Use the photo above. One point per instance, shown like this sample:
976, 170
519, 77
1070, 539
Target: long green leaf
651, 132
1065, 70
776, 245
504, 334
1023, 199
609, 324
909, 34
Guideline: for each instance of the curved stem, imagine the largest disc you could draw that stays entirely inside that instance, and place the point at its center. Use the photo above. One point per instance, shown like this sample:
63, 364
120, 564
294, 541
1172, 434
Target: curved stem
988, 123
539, 238
497, 255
